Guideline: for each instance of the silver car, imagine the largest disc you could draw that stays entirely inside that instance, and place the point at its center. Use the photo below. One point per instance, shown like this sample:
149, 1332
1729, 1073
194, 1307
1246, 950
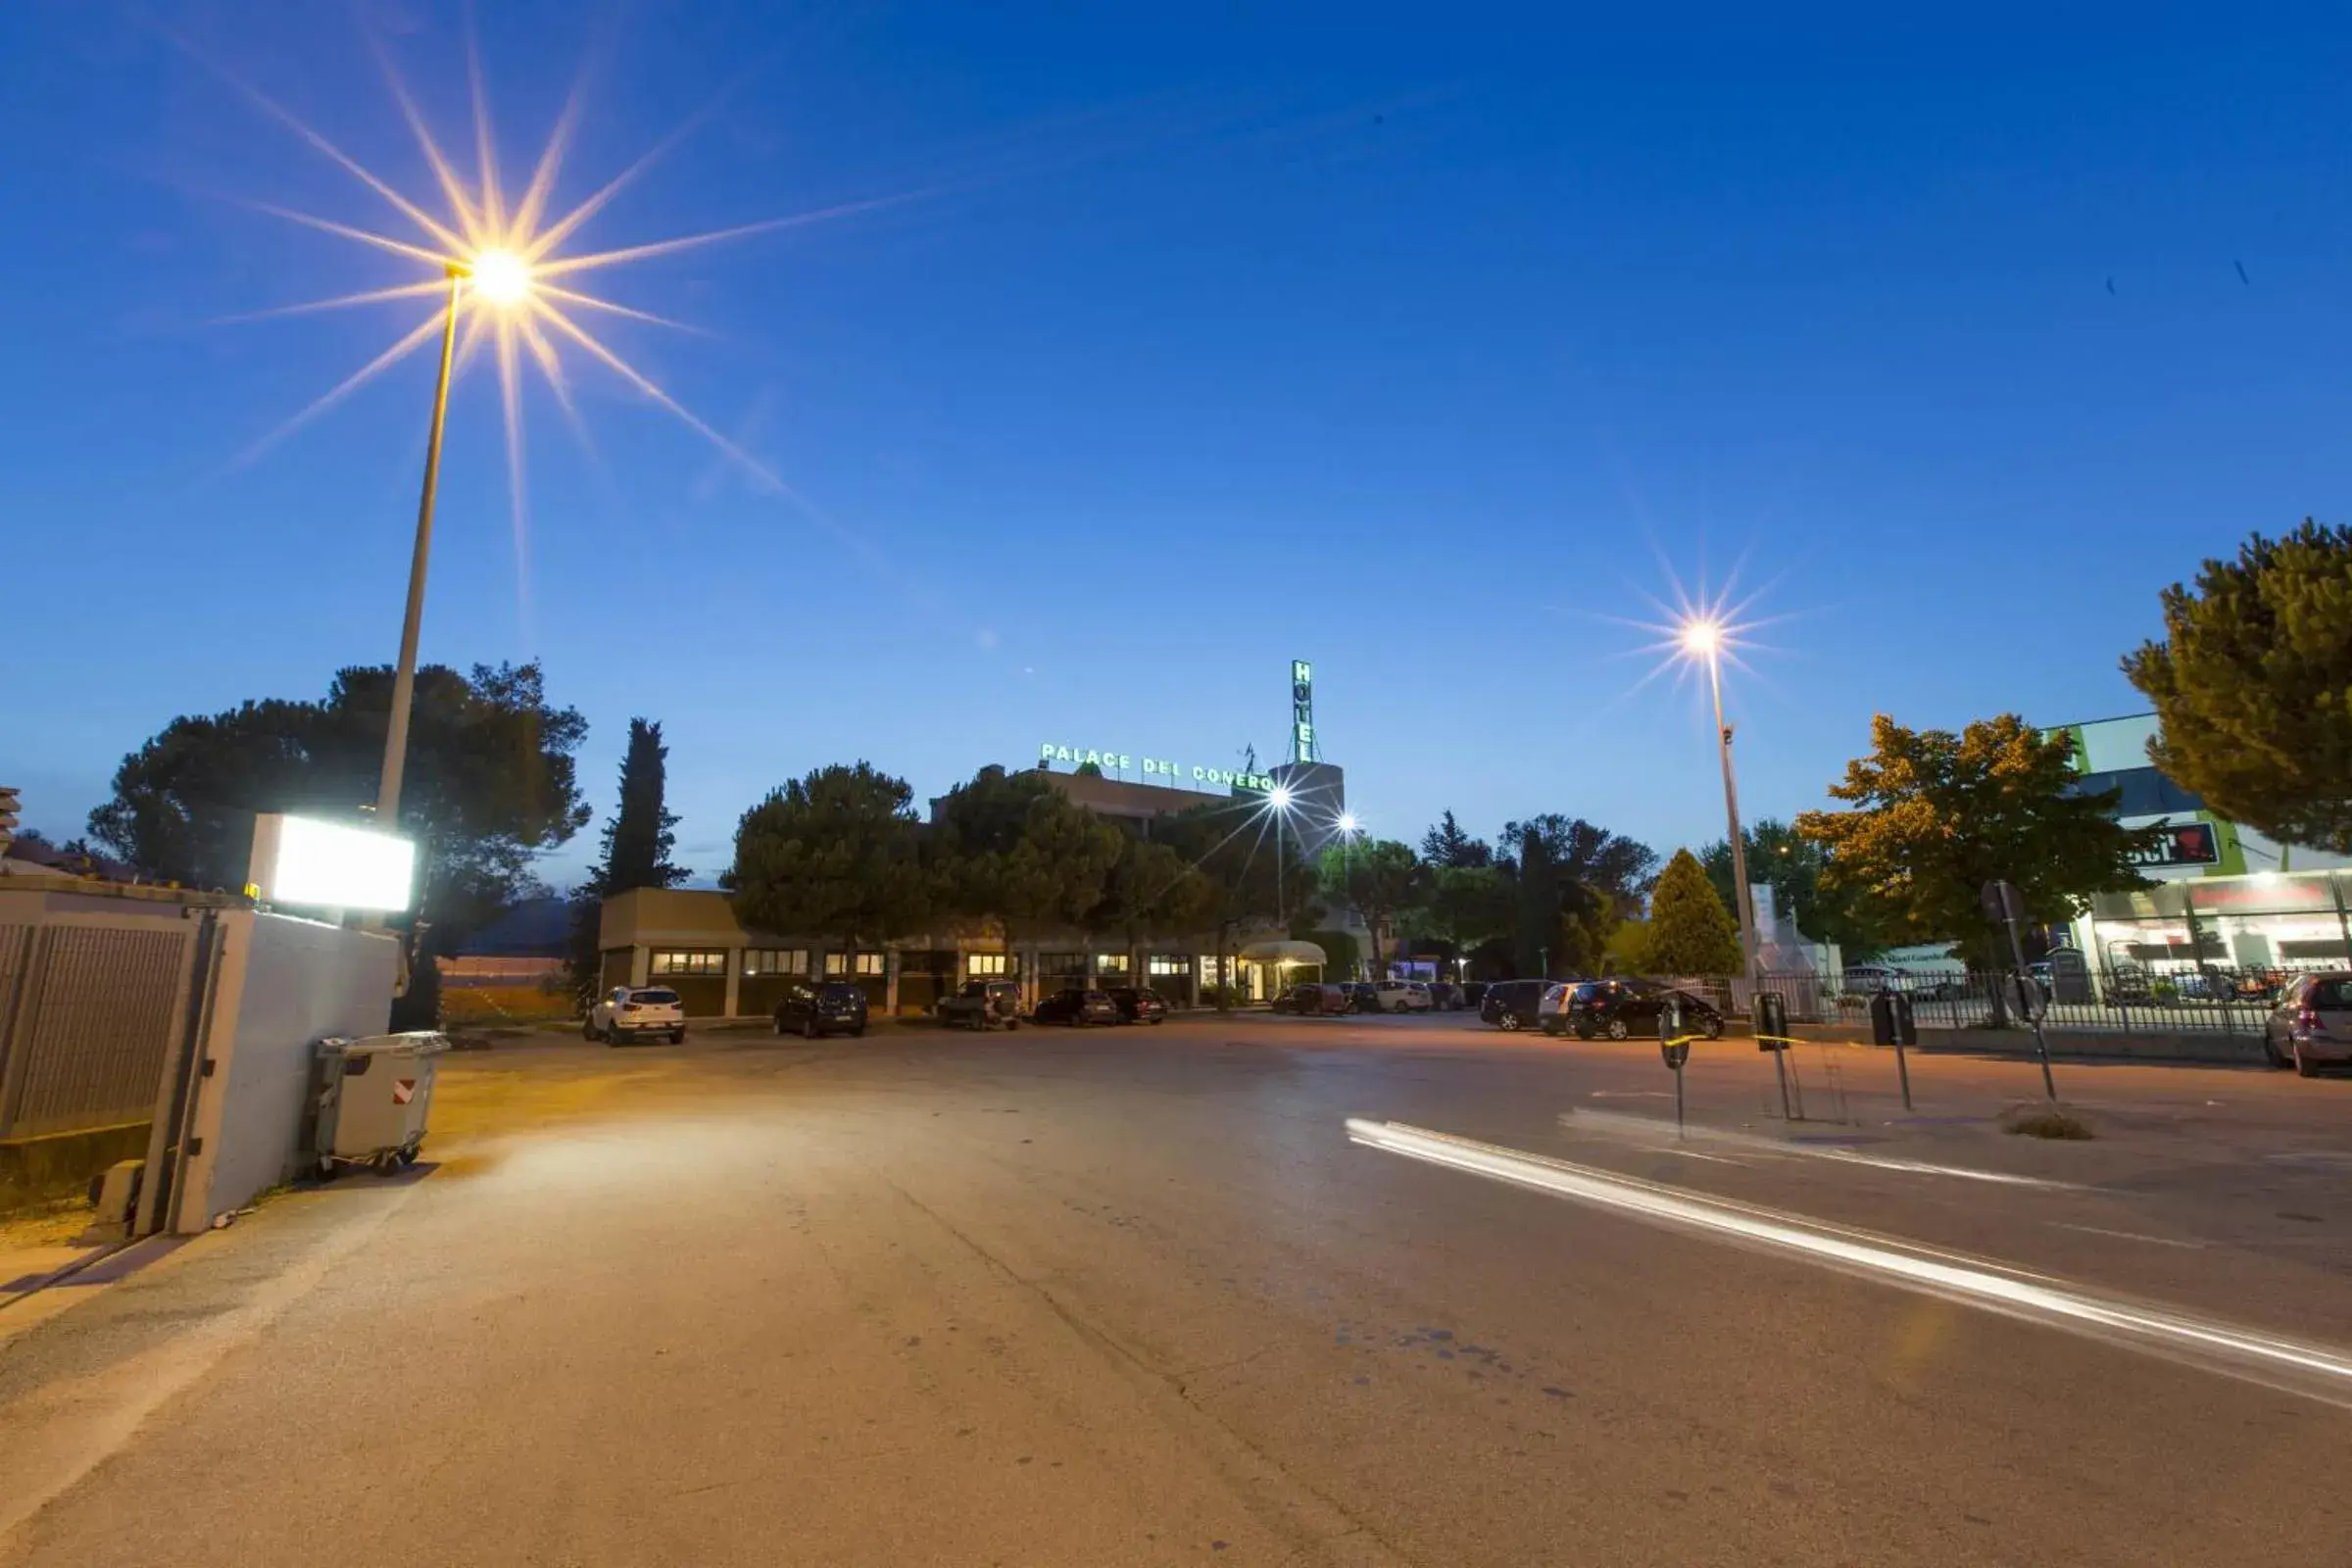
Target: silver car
2311, 1027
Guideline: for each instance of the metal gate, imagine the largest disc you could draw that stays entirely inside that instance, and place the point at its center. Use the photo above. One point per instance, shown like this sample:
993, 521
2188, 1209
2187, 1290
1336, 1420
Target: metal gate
89, 1011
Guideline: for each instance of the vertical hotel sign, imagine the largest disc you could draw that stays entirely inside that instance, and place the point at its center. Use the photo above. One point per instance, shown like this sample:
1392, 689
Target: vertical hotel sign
1302, 712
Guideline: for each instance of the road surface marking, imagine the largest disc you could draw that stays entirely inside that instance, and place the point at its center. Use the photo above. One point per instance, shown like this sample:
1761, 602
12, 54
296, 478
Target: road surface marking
2314, 1371
1611, 1122
2128, 1236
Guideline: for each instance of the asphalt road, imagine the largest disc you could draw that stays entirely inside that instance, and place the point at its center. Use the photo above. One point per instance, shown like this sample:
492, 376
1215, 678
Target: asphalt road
1139, 1296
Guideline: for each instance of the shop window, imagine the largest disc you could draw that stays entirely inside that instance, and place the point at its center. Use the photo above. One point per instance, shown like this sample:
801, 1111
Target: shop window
775, 961
711, 962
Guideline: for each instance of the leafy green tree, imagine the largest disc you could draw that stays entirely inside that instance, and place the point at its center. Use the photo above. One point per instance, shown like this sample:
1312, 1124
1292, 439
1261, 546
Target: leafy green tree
1446, 844
1464, 906
1792, 865
1380, 879
1690, 931
1574, 881
638, 838
489, 784
1626, 951
1011, 848
1253, 878
836, 856
1936, 815
1150, 890
2252, 686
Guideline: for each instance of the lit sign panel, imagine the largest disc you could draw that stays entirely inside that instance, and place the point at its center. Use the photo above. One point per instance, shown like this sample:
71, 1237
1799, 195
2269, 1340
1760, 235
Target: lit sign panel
2182, 844
1176, 773
301, 859
1302, 712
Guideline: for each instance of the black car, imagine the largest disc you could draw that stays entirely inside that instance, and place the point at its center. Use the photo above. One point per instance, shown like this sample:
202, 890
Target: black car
1512, 1003
1624, 1009
1077, 1008
1364, 997
1137, 1004
827, 1008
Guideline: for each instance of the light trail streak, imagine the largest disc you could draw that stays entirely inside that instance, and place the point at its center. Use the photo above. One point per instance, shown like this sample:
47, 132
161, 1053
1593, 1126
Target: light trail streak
2313, 1371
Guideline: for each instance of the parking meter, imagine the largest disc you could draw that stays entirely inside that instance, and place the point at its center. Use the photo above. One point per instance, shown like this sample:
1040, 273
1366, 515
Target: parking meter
1771, 1021
1675, 1047
1891, 1023
1672, 1045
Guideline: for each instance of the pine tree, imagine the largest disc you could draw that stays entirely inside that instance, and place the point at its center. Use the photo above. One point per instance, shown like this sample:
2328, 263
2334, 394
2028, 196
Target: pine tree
1447, 845
636, 849
2252, 685
1690, 931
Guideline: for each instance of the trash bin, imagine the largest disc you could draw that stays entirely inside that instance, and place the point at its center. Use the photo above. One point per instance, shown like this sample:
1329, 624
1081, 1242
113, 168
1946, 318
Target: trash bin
374, 1093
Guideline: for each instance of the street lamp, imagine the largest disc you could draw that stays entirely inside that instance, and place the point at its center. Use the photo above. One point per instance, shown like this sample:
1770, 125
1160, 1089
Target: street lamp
502, 280
1278, 800
1703, 639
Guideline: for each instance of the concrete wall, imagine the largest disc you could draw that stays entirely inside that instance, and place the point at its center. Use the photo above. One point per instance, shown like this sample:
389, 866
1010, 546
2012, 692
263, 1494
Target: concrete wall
285, 984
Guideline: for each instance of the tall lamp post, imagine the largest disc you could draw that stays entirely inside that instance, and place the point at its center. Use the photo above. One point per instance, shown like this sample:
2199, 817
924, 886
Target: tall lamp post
1703, 639
500, 278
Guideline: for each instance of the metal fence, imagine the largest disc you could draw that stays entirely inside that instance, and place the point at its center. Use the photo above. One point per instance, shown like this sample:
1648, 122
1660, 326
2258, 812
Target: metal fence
2208, 999
88, 1013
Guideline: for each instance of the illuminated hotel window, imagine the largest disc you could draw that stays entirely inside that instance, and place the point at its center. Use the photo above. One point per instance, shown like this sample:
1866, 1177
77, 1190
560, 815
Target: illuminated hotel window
775, 961
1169, 964
678, 964
841, 964
984, 963
1110, 963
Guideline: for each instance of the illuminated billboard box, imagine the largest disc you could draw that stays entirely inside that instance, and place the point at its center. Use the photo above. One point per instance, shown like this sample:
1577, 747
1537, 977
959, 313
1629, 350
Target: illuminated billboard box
301, 859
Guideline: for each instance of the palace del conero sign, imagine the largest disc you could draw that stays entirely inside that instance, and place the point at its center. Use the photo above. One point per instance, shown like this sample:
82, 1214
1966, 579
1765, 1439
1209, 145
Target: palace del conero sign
1155, 767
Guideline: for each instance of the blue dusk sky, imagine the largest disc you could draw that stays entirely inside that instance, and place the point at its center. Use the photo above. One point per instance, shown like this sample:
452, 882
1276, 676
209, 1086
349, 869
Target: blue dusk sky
1155, 346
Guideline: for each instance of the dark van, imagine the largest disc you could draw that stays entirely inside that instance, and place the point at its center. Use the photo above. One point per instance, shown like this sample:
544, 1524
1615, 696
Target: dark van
1512, 1003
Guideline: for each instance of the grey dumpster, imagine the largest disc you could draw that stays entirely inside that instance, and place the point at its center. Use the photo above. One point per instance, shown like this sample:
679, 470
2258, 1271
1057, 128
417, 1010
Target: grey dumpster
374, 1093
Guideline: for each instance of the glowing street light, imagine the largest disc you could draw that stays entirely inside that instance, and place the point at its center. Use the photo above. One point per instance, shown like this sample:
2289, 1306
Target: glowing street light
1702, 638
1347, 824
502, 280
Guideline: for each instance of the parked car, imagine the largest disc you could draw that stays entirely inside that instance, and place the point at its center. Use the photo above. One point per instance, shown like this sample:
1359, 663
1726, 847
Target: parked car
1077, 1008
1310, 1000
1512, 1003
1138, 1004
1400, 995
983, 1004
826, 1008
1362, 996
2311, 1027
1474, 994
632, 1012
1445, 997
1625, 1008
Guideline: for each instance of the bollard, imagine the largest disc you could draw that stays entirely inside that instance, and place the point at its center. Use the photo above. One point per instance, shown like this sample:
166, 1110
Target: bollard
1891, 1023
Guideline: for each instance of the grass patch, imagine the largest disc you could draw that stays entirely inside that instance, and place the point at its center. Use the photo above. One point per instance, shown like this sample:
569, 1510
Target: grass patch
2049, 1122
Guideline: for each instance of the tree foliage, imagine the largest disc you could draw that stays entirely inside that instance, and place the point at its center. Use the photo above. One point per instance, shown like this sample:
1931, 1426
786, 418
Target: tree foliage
638, 838
1380, 879
1466, 905
1936, 815
2252, 686
1575, 881
489, 783
1251, 875
1011, 848
1689, 930
1150, 890
1792, 865
1446, 844
835, 854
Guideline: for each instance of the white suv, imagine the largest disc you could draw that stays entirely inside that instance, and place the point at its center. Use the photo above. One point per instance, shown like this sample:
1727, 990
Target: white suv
631, 1012
1402, 996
